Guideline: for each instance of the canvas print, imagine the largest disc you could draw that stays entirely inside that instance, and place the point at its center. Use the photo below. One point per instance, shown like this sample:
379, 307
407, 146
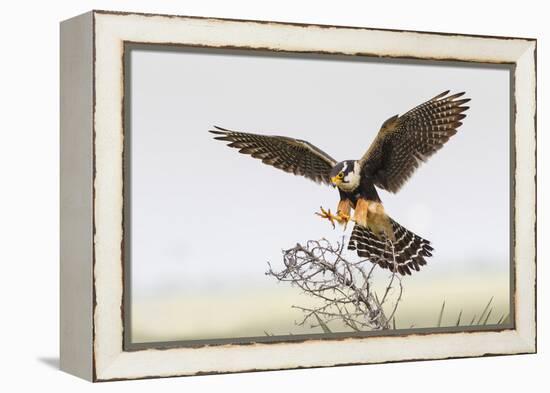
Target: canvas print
369, 196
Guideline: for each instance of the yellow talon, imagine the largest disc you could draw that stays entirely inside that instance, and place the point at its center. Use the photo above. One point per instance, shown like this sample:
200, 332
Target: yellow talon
341, 218
328, 215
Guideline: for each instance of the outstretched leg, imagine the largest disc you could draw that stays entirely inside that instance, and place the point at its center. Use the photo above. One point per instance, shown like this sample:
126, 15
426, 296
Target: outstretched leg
344, 211
361, 212
342, 216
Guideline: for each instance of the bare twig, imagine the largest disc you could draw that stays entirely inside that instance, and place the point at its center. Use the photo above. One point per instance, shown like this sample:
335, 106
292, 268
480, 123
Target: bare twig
343, 287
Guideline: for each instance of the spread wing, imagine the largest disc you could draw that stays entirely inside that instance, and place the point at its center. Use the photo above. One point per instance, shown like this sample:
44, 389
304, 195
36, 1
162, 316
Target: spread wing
290, 155
404, 142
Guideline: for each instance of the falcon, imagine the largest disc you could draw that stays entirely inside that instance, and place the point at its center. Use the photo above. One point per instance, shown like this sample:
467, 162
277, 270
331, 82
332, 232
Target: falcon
402, 144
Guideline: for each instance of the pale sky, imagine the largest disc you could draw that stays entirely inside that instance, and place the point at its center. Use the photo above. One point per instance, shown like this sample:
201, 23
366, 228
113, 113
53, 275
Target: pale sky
206, 218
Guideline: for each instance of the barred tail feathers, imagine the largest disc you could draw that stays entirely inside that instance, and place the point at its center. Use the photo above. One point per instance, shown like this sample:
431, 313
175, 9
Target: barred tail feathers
409, 249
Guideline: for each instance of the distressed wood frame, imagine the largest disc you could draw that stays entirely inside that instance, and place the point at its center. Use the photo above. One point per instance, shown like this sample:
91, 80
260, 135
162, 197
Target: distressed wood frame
92, 187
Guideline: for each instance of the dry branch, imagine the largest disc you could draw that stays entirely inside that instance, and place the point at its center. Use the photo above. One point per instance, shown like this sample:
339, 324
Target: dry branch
344, 287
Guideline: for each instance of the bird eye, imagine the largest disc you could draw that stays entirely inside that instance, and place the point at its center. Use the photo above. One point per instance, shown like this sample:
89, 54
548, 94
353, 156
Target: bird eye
341, 175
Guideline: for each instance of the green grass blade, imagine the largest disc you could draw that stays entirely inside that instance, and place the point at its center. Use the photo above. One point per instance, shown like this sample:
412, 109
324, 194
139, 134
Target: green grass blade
441, 314
487, 317
322, 324
459, 317
485, 310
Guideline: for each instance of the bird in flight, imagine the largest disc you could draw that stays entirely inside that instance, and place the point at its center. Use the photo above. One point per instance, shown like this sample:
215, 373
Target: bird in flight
401, 145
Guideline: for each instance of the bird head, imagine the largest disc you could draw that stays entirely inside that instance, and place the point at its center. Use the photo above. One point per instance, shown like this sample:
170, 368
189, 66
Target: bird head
346, 175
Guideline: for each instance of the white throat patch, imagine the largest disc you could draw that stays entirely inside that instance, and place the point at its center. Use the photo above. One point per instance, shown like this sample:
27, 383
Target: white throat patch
351, 181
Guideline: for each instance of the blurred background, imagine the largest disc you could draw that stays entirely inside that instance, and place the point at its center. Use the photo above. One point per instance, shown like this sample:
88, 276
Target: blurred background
206, 220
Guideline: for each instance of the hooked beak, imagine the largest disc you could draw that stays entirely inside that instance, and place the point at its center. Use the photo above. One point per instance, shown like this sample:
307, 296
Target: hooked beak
335, 180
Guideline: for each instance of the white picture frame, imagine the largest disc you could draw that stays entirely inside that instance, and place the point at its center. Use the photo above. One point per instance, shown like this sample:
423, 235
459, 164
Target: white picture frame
92, 194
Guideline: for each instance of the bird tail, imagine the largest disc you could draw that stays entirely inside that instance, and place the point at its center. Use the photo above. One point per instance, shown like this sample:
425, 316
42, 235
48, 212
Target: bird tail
406, 253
